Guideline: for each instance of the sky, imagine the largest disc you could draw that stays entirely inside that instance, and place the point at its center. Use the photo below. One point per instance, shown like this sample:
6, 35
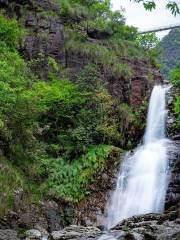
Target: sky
137, 16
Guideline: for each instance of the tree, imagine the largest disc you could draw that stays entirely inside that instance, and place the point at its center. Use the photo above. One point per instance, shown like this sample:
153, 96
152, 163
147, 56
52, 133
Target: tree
147, 41
173, 6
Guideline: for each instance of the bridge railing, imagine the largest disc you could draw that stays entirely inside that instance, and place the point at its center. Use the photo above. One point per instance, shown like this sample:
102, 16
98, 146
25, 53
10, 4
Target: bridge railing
159, 29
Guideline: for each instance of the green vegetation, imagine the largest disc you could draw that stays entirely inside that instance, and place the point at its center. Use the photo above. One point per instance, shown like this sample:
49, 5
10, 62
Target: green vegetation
92, 15
177, 107
170, 61
10, 33
55, 135
175, 76
87, 20
176, 111
96, 18
149, 42
47, 126
170, 57
175, 79
101, 55
10, 180
70, 180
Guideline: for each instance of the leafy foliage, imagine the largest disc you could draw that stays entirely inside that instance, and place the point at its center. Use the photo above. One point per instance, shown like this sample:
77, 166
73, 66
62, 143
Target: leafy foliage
147, 41
173, 6
10, 32
70, 180
150, 43
92, 14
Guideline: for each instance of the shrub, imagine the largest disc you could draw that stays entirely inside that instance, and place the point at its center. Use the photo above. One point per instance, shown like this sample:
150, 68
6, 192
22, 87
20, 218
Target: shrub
10, 32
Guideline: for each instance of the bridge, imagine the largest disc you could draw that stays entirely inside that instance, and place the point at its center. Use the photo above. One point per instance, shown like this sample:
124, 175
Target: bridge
159, 29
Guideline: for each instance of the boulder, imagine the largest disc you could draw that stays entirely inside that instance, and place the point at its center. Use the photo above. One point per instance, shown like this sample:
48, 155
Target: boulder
8, 234
33, 234
76, 232
149, 226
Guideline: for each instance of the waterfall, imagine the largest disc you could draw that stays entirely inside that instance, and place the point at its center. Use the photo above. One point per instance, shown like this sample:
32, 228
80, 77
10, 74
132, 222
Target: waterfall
155, 129
142, 180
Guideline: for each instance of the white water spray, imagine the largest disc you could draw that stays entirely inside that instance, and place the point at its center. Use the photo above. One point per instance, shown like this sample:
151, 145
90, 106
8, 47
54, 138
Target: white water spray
142, 181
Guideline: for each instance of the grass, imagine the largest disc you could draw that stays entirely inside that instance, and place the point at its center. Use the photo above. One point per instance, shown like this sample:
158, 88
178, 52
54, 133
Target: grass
10, 182
14, 183
100, 55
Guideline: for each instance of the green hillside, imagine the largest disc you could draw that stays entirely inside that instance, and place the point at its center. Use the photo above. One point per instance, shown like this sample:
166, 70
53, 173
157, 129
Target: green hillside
171, 51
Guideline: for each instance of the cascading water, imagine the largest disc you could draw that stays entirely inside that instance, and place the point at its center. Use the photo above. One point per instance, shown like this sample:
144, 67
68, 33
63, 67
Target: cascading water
142, 181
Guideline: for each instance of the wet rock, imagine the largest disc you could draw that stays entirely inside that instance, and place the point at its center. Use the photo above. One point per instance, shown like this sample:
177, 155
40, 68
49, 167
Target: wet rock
76, 232
55, 222
8, 234
33, 234
170, 100
173, 192
43, 231
122, 235
151, 226
4, 223
69, 213
29, 216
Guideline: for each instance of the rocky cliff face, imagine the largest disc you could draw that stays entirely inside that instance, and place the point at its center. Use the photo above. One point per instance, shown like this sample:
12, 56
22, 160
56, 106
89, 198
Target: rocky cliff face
173, 193
46, 38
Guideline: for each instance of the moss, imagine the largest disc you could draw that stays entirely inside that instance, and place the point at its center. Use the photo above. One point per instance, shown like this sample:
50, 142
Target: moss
49, 13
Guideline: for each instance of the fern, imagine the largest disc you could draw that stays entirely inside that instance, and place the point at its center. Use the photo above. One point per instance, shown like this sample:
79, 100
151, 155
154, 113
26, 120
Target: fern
70, 180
